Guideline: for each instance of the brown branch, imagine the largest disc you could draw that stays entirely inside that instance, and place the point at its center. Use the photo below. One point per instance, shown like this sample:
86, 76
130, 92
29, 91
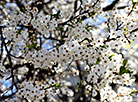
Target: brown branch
110, 7
132, 9
134, 30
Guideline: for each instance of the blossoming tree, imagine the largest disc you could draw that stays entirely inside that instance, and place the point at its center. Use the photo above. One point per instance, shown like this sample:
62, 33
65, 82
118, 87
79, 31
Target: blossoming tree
68, 50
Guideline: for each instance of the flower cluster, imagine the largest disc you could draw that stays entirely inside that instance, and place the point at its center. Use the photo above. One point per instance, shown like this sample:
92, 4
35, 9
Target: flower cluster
85, 62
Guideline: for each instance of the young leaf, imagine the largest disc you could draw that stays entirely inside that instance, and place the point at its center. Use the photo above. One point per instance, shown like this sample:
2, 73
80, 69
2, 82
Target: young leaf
98, 60
34, 45
104, 46
133, 91
79, 20
19, 31
110, 57
23, 9
60, 28
79, 84
122, 70
125, 62
58, 85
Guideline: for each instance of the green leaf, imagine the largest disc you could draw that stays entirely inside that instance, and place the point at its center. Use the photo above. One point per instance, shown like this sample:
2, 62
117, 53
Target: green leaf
62, 41
98, 60
34, 46
123, 70
133, 91
125, 62
89, 27
79, 20
79, 84
58, 13
104, 46
58, 85
18, 31
57, 48
126, 29
29, 46
133, 2
129, 71
23, 9
60, 28
110, 57
17, 13
131, 94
